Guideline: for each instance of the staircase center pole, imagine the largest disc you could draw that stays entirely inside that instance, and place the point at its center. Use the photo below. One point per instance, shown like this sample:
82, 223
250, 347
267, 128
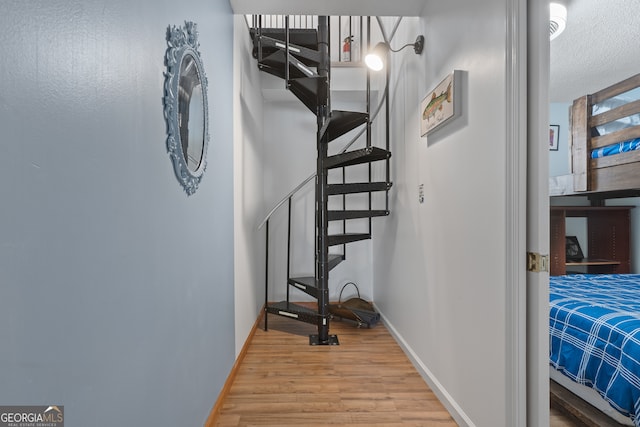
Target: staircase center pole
322, 224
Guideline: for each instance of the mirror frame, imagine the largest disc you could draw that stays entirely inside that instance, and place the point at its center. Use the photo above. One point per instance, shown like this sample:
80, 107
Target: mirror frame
183, 41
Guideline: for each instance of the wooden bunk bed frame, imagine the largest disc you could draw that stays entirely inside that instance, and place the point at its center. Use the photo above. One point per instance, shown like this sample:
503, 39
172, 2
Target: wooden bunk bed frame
598, 179
607, 177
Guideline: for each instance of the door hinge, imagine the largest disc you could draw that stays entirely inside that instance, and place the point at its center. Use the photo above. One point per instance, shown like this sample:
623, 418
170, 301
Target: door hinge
537, 263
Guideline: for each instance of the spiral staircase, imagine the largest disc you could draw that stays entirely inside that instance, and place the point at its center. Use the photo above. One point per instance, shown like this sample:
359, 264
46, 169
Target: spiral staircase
301, 58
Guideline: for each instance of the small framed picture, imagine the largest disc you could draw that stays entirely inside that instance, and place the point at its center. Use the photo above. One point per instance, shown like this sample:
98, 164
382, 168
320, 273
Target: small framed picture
442, 104
573, 252
554, 132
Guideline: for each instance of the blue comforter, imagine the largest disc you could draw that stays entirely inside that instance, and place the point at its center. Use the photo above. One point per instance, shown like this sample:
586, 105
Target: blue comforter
594, 339
617, 148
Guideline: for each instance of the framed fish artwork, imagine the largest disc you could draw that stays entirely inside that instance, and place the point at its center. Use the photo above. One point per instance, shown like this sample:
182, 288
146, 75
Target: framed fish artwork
441, 104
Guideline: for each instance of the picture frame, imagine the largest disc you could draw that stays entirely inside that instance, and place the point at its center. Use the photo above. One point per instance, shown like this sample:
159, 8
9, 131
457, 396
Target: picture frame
442, 104
573, 252
554, 133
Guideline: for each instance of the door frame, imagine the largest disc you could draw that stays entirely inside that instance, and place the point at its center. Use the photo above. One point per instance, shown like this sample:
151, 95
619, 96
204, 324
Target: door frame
515, 223
527, 212
537, 296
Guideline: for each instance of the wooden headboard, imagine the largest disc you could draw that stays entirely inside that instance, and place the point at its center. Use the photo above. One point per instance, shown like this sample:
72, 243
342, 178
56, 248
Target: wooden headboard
616, 175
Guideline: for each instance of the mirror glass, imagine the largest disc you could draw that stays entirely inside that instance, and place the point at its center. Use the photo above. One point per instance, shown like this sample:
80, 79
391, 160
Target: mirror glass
191, 113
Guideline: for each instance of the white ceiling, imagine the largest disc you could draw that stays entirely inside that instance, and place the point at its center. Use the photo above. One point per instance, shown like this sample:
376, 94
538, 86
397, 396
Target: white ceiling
329, 7
600, 46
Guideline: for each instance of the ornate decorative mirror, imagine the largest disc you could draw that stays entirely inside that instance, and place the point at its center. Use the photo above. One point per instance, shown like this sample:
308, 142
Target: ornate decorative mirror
185, 106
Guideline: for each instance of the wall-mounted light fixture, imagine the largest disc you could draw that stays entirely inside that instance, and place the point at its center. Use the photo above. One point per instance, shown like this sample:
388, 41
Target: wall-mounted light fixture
377, 57
557, 19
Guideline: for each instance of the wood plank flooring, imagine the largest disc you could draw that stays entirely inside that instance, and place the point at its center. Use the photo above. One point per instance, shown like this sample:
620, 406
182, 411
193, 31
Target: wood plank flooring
568, 410
559, 417
366, 380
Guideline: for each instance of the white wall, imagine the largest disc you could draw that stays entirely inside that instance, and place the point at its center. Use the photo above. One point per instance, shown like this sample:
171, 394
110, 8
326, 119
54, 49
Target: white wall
439, 266
116, 292
249, 203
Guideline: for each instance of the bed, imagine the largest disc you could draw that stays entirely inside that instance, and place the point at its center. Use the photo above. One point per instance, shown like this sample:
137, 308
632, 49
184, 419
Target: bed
604, 141
594, 340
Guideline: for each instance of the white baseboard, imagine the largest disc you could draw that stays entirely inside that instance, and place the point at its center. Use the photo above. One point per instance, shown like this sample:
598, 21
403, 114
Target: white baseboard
445, 398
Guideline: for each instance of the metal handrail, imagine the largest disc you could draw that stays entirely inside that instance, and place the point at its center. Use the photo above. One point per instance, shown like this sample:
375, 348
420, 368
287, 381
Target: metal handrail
306, 181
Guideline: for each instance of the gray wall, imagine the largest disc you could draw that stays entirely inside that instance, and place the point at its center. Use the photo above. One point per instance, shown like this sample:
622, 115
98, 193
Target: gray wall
116, 288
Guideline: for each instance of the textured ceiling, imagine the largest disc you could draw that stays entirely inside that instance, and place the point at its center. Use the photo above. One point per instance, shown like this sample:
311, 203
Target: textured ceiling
600, 46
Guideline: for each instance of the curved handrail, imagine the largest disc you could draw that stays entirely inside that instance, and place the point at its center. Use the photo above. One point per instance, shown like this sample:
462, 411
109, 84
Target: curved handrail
306, 181
284, 199
346, 147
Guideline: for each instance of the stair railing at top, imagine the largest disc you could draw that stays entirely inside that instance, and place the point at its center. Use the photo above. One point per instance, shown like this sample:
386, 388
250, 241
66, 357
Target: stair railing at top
350, 28
277, 21
257, 23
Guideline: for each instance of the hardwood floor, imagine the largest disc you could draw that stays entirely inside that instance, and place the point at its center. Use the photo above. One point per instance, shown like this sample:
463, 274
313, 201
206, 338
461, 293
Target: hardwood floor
568, 410
366, 380
559, 418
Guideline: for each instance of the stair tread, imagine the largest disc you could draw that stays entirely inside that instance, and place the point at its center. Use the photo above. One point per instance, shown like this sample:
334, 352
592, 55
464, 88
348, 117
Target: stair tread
304, 280
360, 211
340, 239
305, 52
309, 281
293, 311
307, 37
342, 122
334, 215
306, 284
289, 306
334, 260
356, 157
357, 187
275, 64
309, 90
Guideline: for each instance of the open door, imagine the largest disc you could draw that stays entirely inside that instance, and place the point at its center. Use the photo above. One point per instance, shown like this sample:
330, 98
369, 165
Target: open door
537, 295
527, 212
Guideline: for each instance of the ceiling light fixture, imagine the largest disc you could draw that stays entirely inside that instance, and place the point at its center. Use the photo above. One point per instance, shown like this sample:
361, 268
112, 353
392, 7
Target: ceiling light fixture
557, 19
377, 57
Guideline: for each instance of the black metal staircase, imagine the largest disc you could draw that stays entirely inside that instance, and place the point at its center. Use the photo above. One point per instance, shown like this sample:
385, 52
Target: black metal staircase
301, 57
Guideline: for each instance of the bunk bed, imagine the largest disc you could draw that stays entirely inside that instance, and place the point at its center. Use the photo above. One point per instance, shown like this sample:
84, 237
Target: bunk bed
604, 141
594, 319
